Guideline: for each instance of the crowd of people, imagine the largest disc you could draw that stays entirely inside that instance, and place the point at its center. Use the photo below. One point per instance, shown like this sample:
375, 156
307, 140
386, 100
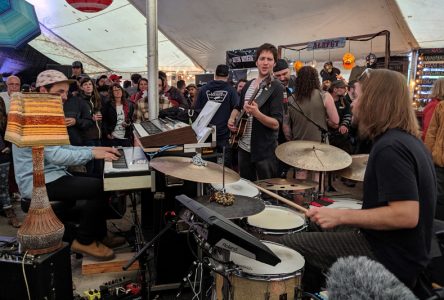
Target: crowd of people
370, 114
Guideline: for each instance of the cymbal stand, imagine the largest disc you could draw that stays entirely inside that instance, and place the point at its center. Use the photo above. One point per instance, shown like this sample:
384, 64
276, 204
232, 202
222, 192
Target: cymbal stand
324, 135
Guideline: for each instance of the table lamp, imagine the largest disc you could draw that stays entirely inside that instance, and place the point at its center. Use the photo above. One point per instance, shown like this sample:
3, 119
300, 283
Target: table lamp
37, 120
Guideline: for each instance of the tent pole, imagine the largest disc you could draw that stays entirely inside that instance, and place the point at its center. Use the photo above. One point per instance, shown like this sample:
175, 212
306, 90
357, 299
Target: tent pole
152, 55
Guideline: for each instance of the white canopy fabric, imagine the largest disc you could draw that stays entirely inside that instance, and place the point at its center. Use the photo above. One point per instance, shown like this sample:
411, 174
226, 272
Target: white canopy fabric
111, 40
115, 39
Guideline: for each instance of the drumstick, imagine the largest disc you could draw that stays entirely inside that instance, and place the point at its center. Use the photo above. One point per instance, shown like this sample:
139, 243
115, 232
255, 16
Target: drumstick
282, 199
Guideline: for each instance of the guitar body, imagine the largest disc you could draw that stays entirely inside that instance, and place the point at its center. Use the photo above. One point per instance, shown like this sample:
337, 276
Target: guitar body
236, 136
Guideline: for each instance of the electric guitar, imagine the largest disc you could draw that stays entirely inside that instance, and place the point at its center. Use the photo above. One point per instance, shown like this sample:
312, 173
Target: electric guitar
242, 118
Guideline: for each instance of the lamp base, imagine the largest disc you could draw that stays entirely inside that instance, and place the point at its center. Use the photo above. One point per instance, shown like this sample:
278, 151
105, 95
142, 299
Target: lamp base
41, 232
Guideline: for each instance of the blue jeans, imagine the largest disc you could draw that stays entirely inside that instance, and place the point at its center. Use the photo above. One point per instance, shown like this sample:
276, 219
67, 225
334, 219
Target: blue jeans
5, 200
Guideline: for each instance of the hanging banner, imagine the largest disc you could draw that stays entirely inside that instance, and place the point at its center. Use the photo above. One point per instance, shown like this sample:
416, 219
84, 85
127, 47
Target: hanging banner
327, 44
241, 59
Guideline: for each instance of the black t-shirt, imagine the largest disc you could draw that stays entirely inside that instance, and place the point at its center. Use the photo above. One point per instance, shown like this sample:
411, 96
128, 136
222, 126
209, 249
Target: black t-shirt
400, 168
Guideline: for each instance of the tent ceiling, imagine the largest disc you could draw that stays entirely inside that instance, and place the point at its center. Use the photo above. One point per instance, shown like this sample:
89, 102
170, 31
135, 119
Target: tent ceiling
204, 30
114, 39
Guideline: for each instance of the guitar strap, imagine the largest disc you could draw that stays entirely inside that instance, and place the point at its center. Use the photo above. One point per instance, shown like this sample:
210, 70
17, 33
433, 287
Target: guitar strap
265, 94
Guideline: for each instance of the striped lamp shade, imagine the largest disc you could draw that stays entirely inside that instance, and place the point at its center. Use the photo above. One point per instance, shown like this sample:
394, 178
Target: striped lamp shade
90, 6
36, 119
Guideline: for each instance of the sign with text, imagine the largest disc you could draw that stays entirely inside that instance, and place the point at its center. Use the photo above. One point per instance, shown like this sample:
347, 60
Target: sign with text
241, 59
327, 44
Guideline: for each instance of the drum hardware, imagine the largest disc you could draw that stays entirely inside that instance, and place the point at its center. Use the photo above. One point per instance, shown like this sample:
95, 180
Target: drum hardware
243, 206
356, 170
171, 181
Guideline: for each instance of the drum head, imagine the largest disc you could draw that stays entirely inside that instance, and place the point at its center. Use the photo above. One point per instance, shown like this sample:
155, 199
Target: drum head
291, 262
241, 187
345, 203
277, 218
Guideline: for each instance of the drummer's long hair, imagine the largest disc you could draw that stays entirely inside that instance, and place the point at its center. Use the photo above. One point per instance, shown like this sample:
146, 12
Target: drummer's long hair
306, 82
384, 103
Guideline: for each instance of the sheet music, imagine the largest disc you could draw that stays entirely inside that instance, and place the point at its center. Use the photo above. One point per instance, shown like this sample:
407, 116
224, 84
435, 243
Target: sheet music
200, 125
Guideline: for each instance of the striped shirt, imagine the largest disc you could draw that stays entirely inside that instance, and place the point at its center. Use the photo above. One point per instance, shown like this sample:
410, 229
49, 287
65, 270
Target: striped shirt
245, 140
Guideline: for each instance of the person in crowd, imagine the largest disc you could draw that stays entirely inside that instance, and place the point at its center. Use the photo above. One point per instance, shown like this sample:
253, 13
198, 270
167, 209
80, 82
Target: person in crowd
102, 85
142, 90
26, 88
92, 135
134, 84
339, 136
12, 86
193, 91
126, 85
114, 78
282, 72
436, 96
5, 162
256, 148
76, 73
117, 118
77, 117
220, 91
350, 95
315, 104
91, 236
395, 222
169, 95
329, 74
434, 141
181, 86
240, 85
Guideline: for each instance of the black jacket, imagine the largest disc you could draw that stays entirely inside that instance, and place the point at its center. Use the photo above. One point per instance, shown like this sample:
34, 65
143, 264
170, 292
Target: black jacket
109, 117
76, 107
264, 139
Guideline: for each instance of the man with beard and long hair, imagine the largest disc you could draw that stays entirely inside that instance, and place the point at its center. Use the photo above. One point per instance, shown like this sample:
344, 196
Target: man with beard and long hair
395, 222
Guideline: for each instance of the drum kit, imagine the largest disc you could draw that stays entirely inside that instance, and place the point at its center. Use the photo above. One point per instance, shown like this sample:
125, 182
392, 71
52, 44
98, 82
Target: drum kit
252, 279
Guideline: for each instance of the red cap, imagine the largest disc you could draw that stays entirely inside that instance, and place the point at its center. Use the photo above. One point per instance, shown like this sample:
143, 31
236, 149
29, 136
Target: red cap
115, 77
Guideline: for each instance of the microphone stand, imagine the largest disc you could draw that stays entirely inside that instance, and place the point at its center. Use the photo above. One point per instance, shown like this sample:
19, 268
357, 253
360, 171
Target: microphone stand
324, 135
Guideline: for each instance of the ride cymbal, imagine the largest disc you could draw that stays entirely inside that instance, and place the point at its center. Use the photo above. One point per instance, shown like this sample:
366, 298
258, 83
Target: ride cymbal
183, 168
313, 156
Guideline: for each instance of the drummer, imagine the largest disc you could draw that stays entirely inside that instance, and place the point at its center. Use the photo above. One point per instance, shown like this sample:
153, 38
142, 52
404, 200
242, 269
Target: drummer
399, 191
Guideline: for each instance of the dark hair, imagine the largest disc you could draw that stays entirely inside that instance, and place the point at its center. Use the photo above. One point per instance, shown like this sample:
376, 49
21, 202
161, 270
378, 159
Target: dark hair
126, 84
95, 96
47, 87
111, 95
181, 84
239, 81
306, 82
162, 77
140, 80
266, 47
135, 78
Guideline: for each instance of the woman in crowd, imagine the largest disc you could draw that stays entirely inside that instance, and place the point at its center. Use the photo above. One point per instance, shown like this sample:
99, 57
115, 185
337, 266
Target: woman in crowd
436, 96
92, 135
142, 90
117, 118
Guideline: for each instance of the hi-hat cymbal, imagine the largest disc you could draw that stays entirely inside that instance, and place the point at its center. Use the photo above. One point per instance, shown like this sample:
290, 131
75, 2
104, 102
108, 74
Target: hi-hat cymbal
282, 184
183, 168
313, 156
356, 170
243, 206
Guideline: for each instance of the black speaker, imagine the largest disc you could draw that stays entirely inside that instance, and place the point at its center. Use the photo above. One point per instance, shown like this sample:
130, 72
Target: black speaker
48, 276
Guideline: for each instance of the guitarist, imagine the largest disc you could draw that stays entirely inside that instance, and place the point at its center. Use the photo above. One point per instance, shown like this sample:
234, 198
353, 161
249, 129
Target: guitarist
264, 114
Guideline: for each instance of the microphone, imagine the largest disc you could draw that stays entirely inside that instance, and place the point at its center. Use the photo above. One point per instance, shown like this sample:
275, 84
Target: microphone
362, 278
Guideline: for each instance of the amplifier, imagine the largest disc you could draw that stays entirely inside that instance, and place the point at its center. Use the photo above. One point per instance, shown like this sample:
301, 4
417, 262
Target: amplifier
48, 275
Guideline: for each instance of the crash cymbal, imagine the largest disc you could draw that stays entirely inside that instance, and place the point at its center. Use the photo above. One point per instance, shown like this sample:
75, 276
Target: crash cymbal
243, 206
183, 168
281, 184
314, 156
356, 170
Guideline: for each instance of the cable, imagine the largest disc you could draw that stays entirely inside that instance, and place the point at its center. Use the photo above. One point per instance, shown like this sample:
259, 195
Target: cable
24, 275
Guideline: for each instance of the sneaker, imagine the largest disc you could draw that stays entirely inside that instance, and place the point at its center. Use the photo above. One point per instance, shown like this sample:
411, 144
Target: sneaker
12, 218
113, 241
95, 249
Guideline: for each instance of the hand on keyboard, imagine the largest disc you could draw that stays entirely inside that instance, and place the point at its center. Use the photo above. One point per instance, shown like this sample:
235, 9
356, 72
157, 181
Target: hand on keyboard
106, 153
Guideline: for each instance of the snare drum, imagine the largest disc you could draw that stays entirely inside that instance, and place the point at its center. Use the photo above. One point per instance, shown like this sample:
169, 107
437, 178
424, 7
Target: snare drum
242, 187
276, 220
256, 280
